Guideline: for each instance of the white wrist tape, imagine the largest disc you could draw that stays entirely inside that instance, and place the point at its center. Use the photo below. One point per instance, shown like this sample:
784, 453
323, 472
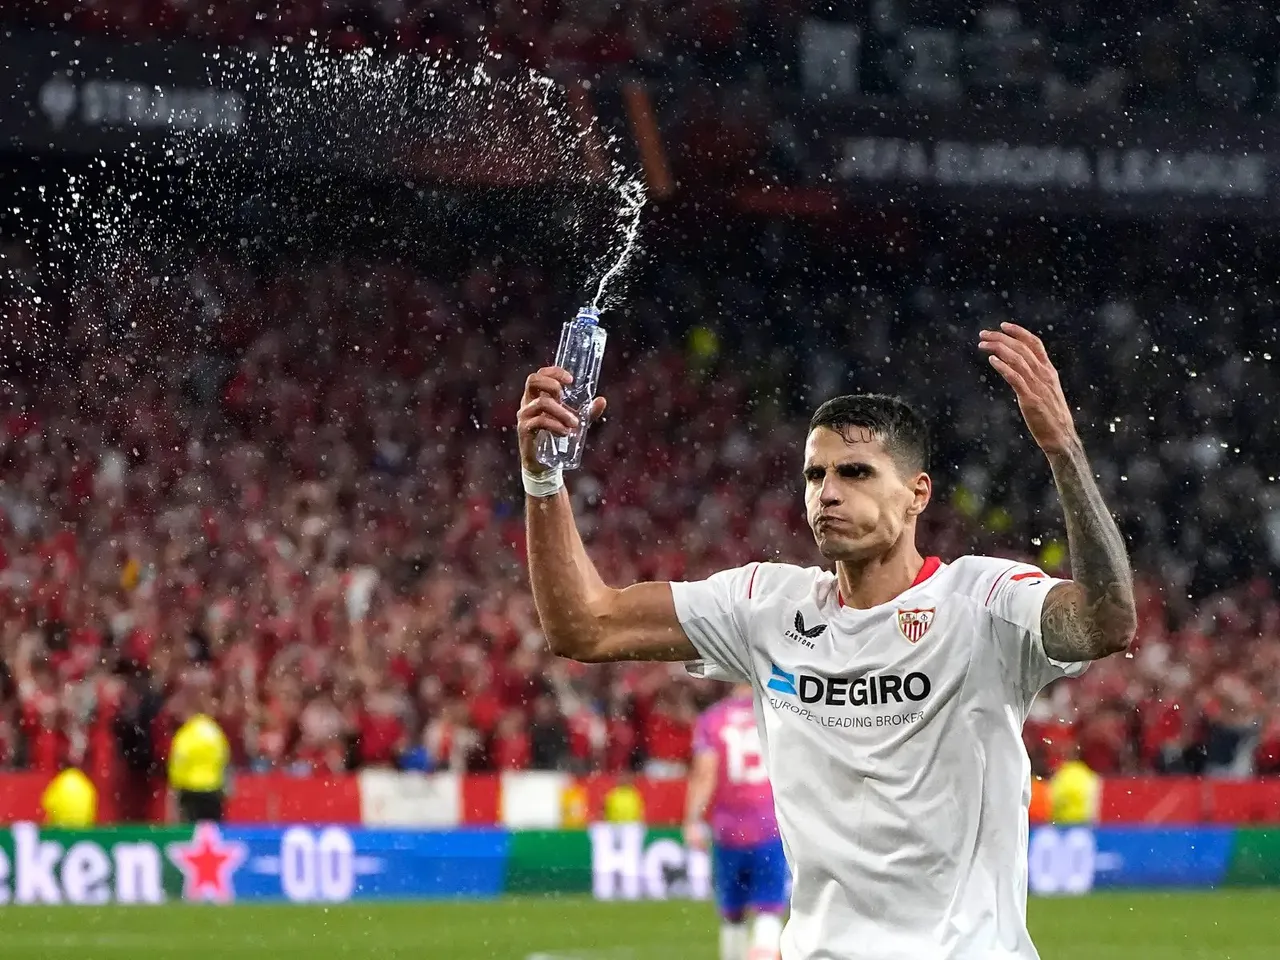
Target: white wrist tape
546, 484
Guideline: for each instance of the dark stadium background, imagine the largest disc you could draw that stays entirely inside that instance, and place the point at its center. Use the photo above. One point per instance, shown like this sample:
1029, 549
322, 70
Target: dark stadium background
316, 370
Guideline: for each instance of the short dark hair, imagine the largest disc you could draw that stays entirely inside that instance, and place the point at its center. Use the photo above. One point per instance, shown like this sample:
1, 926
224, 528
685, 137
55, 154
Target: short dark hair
892, 420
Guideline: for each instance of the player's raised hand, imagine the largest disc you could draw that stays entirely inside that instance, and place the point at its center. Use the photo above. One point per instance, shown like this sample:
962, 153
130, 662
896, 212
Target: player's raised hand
1019, 356
541, 408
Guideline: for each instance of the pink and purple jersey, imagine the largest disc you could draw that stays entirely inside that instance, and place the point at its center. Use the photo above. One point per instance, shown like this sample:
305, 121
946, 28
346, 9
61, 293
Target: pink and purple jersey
741, 810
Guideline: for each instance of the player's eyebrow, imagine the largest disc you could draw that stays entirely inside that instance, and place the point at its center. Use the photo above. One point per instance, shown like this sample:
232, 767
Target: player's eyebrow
842, 466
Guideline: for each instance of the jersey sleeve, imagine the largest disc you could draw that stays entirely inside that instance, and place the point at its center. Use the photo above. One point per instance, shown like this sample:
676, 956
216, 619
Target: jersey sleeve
711, 613
1015, 600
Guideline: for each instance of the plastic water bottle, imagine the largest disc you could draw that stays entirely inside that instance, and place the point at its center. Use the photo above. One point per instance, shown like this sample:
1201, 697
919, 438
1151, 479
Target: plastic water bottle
581, 350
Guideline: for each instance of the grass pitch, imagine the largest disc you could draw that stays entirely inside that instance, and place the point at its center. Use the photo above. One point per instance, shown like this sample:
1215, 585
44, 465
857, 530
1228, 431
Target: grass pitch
1236, 925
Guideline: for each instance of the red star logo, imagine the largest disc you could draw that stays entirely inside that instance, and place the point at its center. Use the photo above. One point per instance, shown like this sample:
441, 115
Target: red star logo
207, 864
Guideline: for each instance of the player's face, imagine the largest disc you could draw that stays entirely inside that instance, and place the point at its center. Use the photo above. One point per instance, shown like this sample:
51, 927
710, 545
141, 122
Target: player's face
857, 500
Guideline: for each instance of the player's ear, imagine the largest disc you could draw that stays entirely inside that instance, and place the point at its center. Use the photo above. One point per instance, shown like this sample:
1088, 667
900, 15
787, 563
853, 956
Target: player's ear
922, 492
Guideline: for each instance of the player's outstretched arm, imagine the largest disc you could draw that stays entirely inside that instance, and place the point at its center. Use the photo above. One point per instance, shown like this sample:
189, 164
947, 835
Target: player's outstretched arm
582, 616
1093, 616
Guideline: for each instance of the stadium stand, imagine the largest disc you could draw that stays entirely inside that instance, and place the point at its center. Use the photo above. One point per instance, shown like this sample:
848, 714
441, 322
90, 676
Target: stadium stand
315, 511
1159, 54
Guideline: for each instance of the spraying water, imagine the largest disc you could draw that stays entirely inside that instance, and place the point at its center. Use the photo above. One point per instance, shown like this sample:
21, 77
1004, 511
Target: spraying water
340, 124
633, 198
487, 123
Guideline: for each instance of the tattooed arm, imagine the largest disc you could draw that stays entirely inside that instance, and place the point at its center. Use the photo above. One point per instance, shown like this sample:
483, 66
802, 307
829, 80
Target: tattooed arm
1093, 616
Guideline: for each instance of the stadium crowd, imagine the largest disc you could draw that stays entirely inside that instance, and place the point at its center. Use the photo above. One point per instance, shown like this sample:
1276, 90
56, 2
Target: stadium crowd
1161, 54
541, 31
294, 489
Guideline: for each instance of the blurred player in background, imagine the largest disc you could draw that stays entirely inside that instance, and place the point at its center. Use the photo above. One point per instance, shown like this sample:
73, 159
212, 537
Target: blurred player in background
199, 756
70, 800
623, 803
729, 791
891, 690
1075, 791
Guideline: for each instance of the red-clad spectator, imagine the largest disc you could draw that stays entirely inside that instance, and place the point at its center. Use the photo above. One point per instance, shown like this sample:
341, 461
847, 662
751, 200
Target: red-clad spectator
380, 733
1105, 743
448, 740
44, 726
485, 707
1267, 755
272, 743
668, 734
42, 718
511, 748
521, 680
322, 732
622, 741
10, 739
588, 733
104, 762
1163, 724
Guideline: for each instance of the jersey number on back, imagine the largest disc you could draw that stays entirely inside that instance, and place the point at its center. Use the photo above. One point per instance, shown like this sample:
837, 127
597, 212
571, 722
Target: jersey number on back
743, 756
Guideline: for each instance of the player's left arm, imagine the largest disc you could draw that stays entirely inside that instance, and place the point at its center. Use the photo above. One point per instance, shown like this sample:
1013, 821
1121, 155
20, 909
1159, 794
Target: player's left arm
699, 788
1093, 615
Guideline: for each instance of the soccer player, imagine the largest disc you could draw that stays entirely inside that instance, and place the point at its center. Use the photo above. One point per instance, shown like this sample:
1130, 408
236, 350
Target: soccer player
749, 866
891, 692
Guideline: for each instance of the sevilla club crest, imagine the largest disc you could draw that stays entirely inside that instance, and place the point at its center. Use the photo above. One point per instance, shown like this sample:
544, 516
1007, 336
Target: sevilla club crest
914, 624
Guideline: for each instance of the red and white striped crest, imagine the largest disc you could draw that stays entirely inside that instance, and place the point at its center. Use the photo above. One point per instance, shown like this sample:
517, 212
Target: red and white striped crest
914, 624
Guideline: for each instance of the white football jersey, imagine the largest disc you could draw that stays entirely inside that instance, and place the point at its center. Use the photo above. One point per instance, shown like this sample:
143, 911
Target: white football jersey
893, 739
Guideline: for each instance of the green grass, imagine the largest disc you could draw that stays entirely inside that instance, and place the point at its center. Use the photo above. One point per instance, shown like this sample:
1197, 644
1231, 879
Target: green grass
1237, 925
